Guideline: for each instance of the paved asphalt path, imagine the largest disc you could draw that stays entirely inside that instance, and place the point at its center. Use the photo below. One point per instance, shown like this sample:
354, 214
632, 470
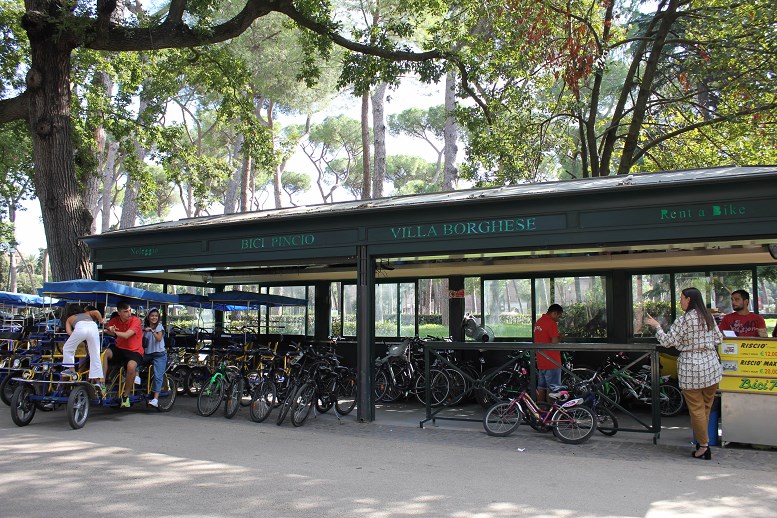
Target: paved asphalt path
137, 463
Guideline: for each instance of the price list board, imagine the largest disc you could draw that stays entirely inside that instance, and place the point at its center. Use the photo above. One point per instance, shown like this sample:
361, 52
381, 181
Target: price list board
749, 365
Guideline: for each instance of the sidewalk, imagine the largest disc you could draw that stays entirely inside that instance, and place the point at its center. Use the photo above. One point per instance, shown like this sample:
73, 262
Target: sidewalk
675, 431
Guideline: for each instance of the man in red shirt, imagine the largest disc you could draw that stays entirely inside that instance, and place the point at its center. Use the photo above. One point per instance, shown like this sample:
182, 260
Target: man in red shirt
742, 321
128, 349
546, 332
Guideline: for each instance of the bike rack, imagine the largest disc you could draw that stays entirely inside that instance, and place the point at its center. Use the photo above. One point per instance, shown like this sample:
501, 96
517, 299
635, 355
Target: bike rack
649, 350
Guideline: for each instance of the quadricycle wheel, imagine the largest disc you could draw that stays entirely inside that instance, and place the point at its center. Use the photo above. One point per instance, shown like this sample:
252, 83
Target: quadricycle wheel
78, 407
22, 405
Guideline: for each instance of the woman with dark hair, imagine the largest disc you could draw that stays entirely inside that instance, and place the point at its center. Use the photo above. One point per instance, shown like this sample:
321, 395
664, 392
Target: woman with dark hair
155, 353
81, 325
697, 338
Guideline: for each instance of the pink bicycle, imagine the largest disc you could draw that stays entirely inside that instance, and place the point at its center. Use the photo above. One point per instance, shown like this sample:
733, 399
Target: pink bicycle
570, 420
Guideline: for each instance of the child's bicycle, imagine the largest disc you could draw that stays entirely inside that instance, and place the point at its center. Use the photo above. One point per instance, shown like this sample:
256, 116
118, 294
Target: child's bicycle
570, 420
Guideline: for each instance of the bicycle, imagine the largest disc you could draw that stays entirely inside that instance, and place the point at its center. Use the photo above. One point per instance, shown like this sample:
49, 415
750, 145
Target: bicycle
637, 386
224, 382
570, 420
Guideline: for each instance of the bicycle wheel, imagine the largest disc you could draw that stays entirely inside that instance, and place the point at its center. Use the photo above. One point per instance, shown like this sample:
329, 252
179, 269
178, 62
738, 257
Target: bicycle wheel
326, 399
303, 403
579, 375
573, 425
385, 390
606, 419
181, 376
8, 386
502, 419
210, 397
457, 386
439, 389
347, 392
78, 407
671, 400
22, 406
612, 393
233, 395
282, 384
167, 393
251, 379
504, 385
262, 401
196, 379
288, 401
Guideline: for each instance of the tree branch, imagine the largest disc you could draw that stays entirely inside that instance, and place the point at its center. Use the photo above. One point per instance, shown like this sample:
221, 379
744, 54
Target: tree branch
15, 108
701, 124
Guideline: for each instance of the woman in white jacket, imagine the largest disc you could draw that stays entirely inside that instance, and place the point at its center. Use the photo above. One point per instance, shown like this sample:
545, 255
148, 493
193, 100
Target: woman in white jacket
697, 338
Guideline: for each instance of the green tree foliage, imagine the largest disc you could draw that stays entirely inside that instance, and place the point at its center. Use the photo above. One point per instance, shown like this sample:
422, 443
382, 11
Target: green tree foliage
334, 147
589, 89
412, 175
47, 38
15, 182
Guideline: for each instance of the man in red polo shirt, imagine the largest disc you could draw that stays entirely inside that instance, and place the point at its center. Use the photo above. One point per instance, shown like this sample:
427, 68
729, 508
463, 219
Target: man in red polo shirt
742, 321
128, 349
546, 332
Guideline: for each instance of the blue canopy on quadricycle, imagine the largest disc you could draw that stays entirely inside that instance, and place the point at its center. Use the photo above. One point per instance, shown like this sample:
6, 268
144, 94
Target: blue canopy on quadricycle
25, 300
86, 290
202, 301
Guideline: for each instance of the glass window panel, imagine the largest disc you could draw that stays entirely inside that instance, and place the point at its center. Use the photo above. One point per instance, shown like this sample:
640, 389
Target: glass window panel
310, 323
508, 307
651, 294
335, 313
407, 309
723, 284
288, 320
349, 310
767, 297
584, 301
386, 305
698, 280
433, 308
472, 296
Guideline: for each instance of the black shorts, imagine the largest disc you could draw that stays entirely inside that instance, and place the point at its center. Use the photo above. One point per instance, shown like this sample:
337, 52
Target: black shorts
120, 356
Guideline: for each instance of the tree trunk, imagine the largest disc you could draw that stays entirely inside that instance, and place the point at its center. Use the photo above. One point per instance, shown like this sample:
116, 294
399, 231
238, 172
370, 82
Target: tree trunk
450, 135
366, 183
109, 180
65, 217
231, 196
645, 87
379, 138
46, 265
129, 209
102, 146
12, 252
245, 185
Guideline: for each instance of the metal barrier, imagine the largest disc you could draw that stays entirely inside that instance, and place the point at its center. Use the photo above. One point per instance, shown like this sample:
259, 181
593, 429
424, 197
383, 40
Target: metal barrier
648, 351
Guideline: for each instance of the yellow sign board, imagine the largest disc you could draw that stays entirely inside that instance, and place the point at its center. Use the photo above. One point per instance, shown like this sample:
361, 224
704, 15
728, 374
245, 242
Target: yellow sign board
747, 384
732, 348
749, 365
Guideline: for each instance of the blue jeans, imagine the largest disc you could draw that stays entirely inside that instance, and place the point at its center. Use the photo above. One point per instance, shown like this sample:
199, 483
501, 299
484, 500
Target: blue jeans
159, 360
549, 379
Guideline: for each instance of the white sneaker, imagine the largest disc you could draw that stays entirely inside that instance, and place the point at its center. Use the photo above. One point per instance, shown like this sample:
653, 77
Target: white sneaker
154, 403
137, 380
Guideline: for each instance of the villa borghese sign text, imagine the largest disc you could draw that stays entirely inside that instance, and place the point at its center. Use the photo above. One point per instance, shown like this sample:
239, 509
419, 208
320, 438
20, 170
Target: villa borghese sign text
472, 228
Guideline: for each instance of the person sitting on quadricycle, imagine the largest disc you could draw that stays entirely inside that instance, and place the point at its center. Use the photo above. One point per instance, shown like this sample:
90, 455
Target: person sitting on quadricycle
128, 349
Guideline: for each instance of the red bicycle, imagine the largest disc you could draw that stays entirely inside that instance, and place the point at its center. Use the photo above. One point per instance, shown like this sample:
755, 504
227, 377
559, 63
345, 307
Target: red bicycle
570, 420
